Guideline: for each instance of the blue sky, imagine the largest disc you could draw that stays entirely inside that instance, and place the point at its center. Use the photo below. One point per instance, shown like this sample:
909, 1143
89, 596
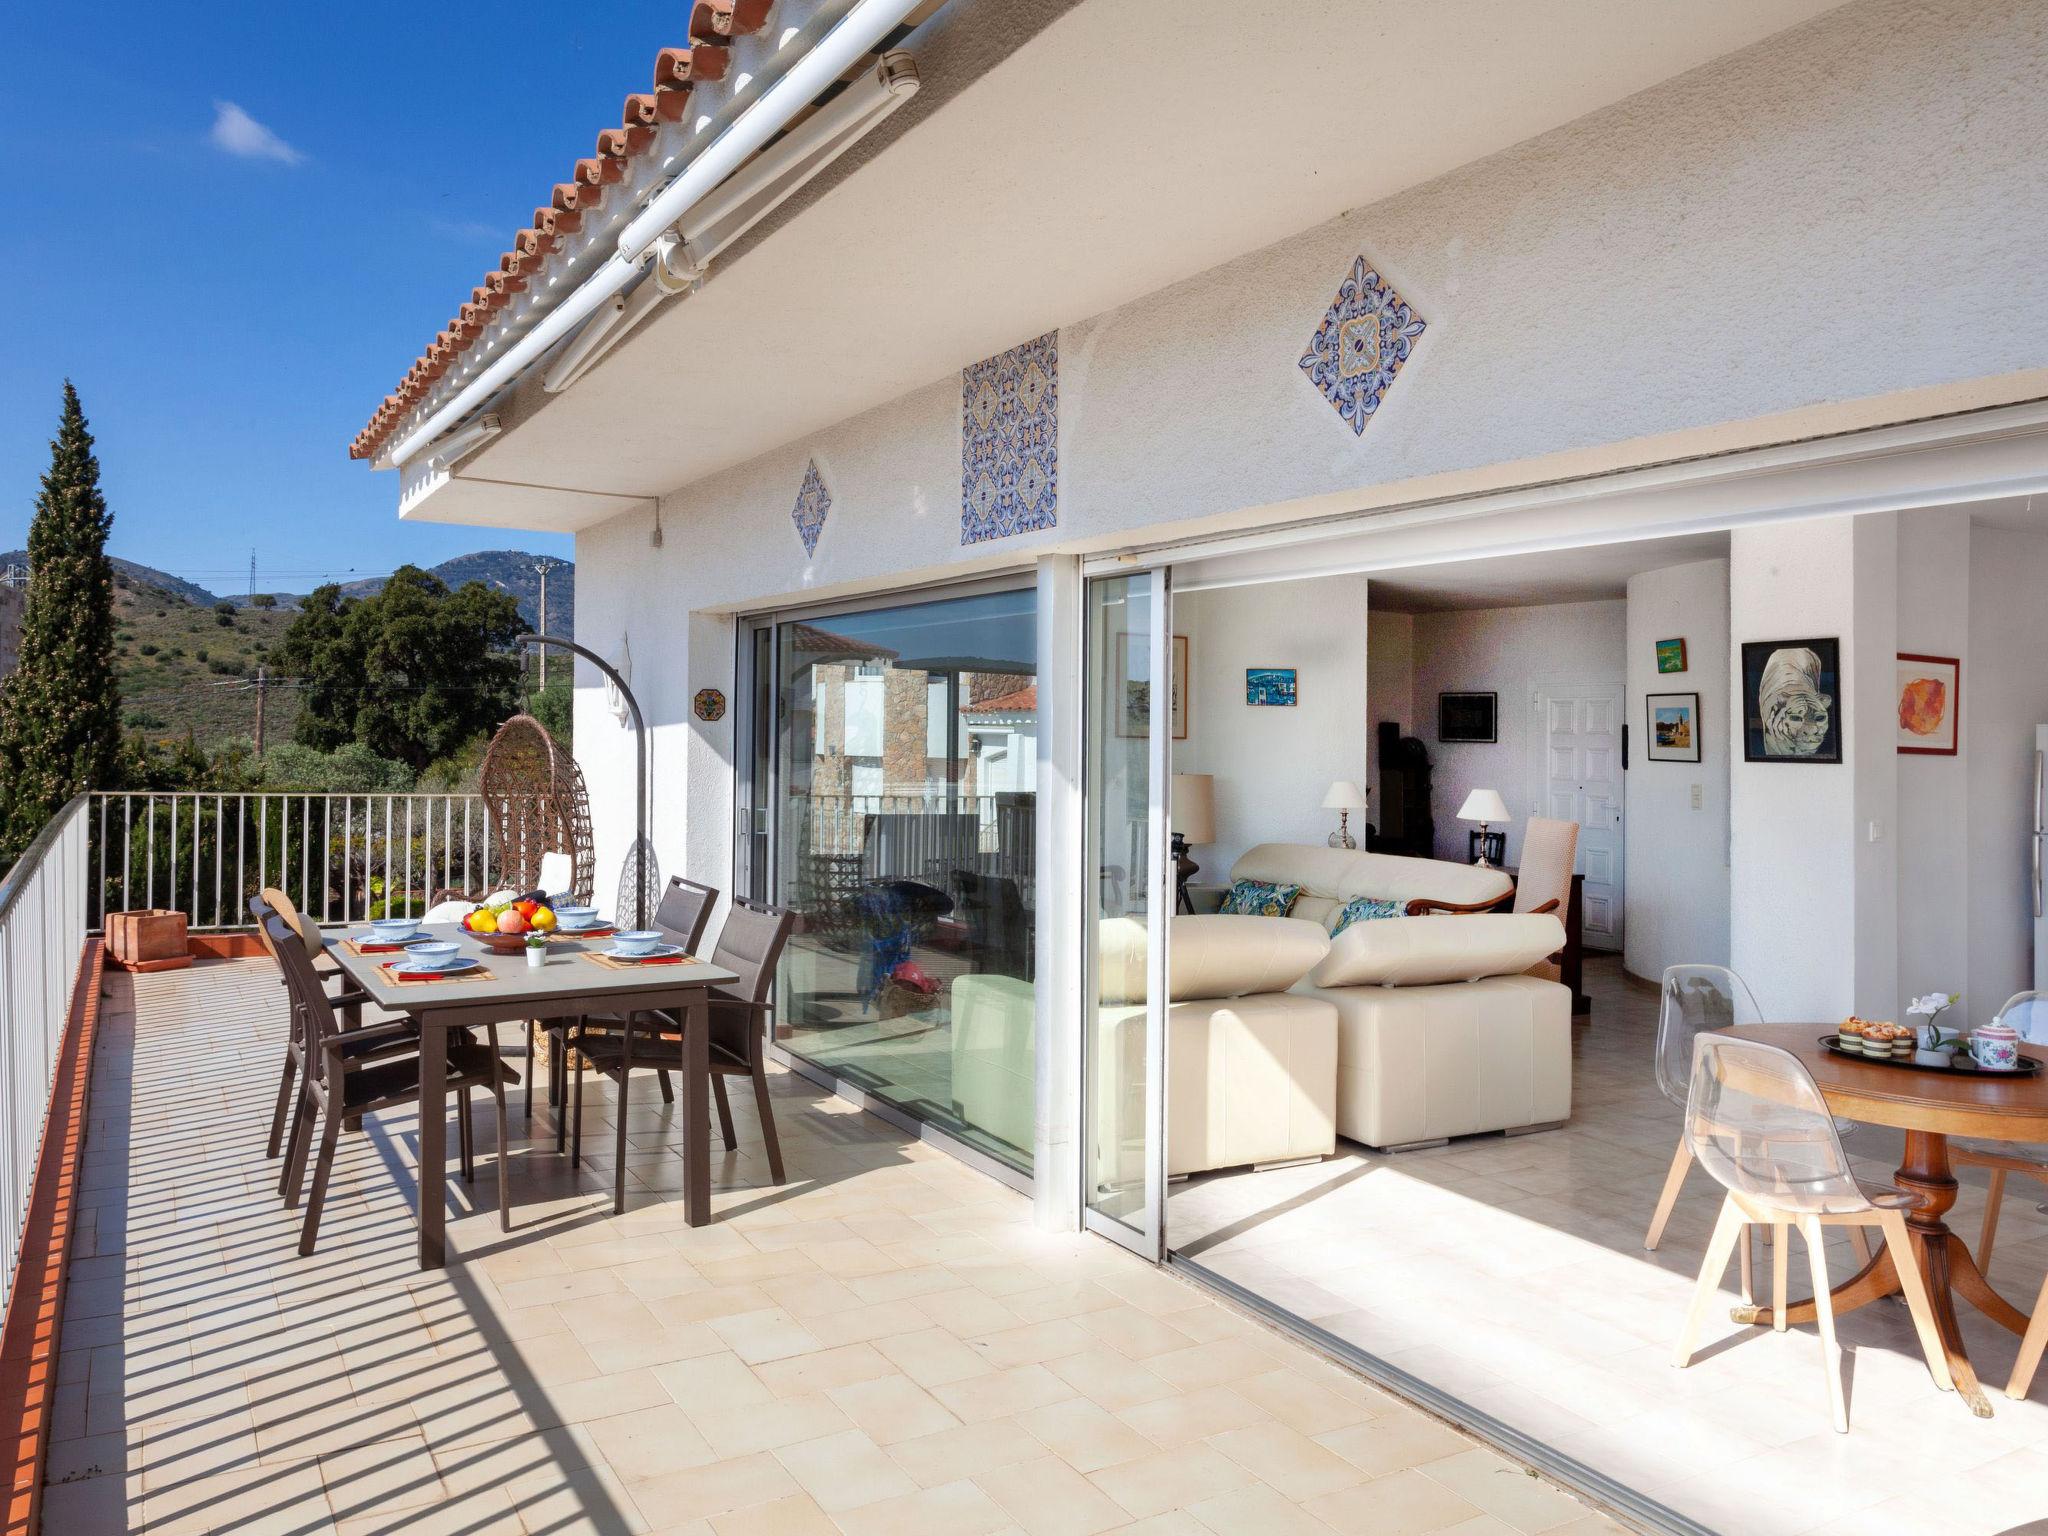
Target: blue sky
233, 304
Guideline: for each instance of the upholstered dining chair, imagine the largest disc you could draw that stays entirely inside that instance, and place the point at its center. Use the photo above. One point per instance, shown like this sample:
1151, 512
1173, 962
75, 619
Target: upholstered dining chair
1756, 1121
750, 946
1550, 852
339, 1084
1697, 999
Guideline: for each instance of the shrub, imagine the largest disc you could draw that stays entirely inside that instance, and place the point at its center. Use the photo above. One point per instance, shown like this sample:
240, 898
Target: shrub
224, 614
148, 647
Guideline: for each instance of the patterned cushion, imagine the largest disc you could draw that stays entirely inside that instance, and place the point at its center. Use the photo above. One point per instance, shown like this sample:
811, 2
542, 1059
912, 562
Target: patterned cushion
1361, 908
1259, 898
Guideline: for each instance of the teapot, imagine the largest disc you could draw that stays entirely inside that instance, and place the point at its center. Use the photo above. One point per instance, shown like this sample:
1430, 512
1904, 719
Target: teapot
1995, 1047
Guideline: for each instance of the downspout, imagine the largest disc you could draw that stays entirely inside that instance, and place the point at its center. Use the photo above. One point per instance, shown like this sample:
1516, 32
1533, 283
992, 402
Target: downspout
864, 26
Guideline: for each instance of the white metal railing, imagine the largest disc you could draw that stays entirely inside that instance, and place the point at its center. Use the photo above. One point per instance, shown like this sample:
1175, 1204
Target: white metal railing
42, 935
341, 857
914, 836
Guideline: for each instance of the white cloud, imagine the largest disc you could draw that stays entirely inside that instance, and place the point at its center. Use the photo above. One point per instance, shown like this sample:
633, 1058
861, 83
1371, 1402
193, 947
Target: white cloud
239, 134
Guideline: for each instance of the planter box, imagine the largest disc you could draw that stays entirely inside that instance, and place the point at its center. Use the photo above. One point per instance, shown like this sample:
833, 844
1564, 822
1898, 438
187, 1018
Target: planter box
151, 940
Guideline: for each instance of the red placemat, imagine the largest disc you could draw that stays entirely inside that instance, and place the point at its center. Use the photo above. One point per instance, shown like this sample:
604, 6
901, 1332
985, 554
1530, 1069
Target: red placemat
372, 947
612, 964
398, 978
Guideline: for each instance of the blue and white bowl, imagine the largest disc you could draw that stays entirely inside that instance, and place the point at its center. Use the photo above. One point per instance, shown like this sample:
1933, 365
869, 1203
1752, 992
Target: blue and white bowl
394, 930
639, 941
437, 956
569, 919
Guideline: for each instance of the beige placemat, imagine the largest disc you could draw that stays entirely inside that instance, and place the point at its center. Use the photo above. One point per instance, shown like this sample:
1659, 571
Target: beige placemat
633, 965
398, 978
372, 949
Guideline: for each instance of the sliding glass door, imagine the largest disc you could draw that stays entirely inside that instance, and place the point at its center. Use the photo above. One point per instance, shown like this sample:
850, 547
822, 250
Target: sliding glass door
1125, 906
892, 802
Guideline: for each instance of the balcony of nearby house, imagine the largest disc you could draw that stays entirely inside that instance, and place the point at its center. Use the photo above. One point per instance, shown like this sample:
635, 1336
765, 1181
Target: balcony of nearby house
884, 1342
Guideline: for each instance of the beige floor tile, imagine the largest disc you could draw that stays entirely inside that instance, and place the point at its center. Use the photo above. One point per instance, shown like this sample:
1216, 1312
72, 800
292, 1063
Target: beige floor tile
765, 1426
1085, 1436
717, 1488
1002, 1394
1049, 1498
1408, 1440
388, 1474
722, 1378
1180, 1420
585, 1501
823, 1369
892, 1408
1031, 1343
1303, 1404
770, 1334
649, 1442
1255, 1507
958, 1508
1399, 1504
951, 1454
796, 1515
931, 1357
287, 1496
845, 1471
1110, 1381
1505, 1491
1134, 1331
1165, 1480
1288, 1461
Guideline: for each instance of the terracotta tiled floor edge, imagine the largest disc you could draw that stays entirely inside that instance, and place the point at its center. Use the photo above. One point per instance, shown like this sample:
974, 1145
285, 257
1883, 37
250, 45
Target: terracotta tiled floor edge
29, 1337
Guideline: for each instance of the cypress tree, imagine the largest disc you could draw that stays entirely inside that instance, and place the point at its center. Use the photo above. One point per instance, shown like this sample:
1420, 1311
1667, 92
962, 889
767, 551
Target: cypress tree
60, 710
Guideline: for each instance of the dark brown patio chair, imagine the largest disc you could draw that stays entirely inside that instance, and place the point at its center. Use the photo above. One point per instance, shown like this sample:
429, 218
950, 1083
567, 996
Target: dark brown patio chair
376, 1042
682, 916
339, 1085
750, 945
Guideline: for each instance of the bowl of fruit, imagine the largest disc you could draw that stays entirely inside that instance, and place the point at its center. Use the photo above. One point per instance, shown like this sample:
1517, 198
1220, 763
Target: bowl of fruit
503, 927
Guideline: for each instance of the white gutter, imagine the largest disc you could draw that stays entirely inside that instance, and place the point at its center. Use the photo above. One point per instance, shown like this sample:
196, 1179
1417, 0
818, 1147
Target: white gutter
838, 51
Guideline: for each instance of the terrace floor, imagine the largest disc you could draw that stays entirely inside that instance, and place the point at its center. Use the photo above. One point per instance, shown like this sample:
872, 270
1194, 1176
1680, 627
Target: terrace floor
885, 1344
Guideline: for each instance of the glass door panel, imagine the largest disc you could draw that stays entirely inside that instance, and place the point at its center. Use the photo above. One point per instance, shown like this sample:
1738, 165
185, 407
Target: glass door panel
1122, 1035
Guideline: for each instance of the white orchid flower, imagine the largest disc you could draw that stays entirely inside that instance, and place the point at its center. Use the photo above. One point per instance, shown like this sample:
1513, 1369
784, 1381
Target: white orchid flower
1933, 1003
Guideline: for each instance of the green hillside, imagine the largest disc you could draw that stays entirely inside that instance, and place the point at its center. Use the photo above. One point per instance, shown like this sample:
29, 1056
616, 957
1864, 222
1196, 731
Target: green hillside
178, 665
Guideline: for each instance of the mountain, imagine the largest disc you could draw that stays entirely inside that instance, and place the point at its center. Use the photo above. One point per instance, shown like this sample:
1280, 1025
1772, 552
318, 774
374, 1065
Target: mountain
511, 570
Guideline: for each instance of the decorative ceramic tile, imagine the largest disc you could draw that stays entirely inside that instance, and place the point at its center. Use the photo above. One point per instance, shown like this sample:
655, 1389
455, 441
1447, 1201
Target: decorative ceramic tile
1364, 339
1009, 442
812, 503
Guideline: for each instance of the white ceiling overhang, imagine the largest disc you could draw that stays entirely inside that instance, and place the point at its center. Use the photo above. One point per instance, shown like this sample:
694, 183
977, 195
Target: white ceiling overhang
1128, 145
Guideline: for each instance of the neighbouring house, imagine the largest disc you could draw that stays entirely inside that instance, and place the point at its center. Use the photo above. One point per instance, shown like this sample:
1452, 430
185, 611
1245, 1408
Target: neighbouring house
1061, 431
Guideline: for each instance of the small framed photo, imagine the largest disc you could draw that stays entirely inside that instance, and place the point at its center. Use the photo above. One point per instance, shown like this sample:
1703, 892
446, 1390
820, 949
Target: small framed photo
1468, 717
1670, 655
1674, 727
1792, 701
1269, 685
1930, 704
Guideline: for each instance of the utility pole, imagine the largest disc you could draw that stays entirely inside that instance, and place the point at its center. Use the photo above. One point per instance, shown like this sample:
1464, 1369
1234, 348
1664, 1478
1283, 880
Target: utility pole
543, 566
262, 685
252, 575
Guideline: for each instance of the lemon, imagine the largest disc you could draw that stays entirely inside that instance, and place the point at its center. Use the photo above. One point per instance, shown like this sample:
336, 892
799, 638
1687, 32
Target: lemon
543, 919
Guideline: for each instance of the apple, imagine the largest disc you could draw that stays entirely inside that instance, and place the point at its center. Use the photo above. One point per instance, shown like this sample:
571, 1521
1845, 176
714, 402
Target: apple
513, 921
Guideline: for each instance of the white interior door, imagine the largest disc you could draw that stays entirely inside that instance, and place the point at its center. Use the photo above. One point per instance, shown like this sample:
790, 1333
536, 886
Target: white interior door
1578, 731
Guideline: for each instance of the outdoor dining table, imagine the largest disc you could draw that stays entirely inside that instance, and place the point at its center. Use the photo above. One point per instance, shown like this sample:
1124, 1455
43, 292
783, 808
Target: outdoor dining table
569, 985
1929, 1107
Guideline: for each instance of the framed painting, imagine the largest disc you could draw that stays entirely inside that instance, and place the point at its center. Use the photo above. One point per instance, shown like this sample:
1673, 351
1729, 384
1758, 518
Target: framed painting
1269, 685
1930, 700
1134, 678
1670, 655
1468, 717
1792, 701
1674, 727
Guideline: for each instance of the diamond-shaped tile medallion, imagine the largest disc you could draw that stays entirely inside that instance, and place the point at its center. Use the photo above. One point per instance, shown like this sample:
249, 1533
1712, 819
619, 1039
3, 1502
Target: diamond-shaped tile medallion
812, 503
1365, 337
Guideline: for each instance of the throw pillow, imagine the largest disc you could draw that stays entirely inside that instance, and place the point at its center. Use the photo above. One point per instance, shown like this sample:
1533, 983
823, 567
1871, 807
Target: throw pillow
1362, 909
1259, 898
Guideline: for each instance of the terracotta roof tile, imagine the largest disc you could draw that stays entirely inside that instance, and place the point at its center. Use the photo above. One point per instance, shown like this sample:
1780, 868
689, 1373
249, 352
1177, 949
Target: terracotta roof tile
713, 26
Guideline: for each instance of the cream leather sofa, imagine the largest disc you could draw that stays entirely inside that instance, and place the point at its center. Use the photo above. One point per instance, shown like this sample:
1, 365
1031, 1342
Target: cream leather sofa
1252, 1072
1440, 1033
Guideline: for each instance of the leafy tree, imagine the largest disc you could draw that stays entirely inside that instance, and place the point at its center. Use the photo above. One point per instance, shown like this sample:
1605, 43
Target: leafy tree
555, 708
349, 769
411, 673
60, 710
263, 600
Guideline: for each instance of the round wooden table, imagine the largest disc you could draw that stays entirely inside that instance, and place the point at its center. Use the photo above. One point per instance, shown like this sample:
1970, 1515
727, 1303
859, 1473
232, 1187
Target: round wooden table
1929, 1107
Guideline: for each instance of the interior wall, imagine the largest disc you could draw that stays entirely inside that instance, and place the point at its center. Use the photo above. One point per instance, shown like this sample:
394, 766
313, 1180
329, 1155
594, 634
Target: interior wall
1272, 764
1675, 852
2004, 696
1389, 685
1509, 651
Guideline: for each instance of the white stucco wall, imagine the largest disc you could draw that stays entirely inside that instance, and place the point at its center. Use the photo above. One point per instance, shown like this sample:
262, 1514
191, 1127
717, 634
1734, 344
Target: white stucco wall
1272, 764
1579, 289
1512, 652
1676, 854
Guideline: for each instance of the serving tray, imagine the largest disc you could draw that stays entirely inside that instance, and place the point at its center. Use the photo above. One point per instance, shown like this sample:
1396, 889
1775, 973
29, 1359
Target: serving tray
1961, 1063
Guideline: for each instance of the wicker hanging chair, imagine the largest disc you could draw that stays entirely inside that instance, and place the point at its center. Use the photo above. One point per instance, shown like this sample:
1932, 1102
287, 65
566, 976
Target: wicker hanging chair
536, 803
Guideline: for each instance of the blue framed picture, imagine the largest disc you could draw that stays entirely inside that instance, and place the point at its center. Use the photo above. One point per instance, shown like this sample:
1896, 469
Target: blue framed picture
1269, 685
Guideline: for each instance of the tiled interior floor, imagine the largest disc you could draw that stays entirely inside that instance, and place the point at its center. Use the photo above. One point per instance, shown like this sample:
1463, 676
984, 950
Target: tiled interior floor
1511, 1272
884, 1345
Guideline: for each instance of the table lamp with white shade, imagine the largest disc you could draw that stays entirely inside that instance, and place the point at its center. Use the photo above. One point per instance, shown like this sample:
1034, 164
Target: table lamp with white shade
1486, 807
1344, 797
1194, 821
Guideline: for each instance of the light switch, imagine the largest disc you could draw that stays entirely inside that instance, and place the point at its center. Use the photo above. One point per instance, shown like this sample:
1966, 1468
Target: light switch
1699, 797
1877, 831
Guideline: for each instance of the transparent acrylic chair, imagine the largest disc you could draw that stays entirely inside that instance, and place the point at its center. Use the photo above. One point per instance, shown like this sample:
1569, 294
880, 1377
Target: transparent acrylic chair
2027, 1013
1697, 999
1758, 1125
